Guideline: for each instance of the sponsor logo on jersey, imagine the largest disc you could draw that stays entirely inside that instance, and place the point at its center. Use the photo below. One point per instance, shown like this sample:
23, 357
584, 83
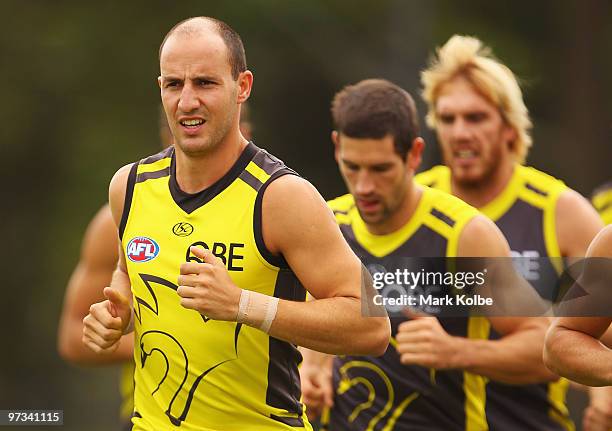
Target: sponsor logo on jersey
527, 263
142, 249
182, 229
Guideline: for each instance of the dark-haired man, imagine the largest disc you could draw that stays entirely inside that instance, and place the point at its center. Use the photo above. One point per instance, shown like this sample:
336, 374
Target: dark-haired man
433, 374
215, 234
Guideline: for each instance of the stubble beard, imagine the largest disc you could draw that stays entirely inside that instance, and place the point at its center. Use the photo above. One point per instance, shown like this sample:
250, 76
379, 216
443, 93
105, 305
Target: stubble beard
387, 210
490, 167
210, 142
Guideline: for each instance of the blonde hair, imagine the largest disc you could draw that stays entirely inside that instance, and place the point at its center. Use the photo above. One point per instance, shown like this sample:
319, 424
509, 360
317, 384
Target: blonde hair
464, 56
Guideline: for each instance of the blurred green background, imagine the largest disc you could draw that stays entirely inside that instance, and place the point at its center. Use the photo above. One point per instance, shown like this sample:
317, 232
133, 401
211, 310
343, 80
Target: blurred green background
80, 99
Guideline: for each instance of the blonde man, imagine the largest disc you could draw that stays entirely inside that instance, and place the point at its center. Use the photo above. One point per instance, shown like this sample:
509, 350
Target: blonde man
477, 110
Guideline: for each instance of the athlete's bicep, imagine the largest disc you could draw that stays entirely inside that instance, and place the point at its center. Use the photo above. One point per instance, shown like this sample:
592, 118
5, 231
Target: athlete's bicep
298, 224
506, 325
511, 294
577, 223
97, 262
116, 197
593, 326
482, 238
117, 191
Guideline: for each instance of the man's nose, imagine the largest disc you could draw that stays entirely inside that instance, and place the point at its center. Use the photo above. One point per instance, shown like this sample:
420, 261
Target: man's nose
460, 130
364, 184
189, 99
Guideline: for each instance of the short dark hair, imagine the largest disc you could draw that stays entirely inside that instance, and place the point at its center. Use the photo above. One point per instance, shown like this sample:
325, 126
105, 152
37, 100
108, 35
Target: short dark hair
375, 108
232, 40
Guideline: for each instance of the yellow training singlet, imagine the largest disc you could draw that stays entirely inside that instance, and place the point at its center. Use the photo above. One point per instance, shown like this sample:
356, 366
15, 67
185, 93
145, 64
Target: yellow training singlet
195, 373
525, 213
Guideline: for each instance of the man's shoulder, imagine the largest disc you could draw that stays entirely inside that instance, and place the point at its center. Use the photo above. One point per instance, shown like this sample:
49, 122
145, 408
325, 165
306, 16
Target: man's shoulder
449, 205
433, 177
342, 204
541, 182
166, 153
270, 165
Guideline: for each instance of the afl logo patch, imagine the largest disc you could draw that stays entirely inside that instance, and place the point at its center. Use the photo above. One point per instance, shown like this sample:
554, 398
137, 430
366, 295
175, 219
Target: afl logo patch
142, 249
182, 229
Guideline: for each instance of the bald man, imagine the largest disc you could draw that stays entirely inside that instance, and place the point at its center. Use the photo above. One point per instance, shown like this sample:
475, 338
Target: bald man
215, 234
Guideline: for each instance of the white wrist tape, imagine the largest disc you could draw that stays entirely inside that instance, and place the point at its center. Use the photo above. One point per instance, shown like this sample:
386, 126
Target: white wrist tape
257, 310
130, 327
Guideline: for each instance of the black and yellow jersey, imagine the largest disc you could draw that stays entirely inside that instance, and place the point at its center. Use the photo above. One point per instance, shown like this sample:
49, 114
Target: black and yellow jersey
525, 213
602, 201
192, 372
379, 393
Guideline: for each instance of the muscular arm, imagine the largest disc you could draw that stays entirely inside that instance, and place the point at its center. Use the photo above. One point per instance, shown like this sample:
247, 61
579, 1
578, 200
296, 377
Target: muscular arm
93, 272
116, 198
298, 224
577, 223
516, 356
107, 320
573, 345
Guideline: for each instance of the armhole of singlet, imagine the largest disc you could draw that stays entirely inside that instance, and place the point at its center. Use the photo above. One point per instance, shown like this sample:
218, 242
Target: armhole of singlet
276, 260
129, 192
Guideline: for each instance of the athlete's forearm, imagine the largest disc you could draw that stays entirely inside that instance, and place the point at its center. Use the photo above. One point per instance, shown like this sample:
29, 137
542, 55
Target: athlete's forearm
72, 349
121, 282
515, 359
331, 325
578, 356
313, 358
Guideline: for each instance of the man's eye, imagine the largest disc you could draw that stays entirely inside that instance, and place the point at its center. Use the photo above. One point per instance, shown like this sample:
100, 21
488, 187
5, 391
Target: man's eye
476, 117
380, 169
172, 84
446, 119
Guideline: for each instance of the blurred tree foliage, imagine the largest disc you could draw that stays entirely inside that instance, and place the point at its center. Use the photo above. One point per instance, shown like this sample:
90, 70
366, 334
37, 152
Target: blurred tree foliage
80, 99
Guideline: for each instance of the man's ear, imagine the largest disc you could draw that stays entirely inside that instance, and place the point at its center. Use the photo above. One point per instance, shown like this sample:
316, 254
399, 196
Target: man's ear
415, 155
335, 137
245, 84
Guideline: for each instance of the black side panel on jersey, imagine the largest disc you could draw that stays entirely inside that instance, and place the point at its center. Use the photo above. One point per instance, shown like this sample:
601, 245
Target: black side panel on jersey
129, 193
507, 405
276, 260
284, 390
527, 404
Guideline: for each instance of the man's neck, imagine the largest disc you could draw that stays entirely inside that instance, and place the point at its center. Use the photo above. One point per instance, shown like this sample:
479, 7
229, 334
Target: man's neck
480, 194
194, 174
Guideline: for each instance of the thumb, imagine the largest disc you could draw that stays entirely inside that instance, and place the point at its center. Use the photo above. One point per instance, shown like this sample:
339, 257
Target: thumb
204, 254
119, 304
